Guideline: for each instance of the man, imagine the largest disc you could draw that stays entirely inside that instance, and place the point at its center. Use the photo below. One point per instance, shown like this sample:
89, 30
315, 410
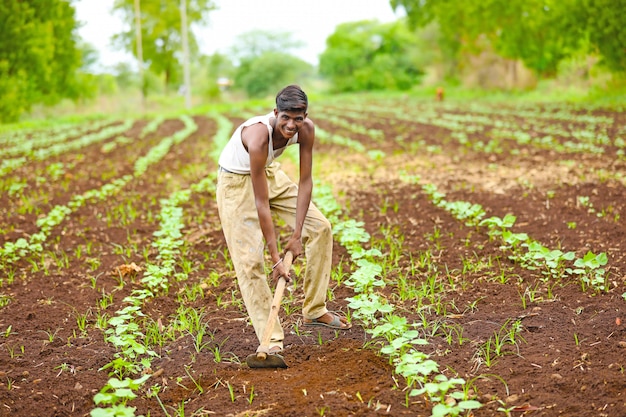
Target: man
250, 187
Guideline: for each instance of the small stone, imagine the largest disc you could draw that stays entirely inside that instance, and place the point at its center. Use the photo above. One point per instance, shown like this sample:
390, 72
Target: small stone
78, 386
37, 381
556, 377
450, 402
512, 399
583, 388
622, 344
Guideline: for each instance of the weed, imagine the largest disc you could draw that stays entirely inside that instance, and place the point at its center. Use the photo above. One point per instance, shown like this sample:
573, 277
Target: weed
5, 300
198, 386
51, 335
322, 410
231, 391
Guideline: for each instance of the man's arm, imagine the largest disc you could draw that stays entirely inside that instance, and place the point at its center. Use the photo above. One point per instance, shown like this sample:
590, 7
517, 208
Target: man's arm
306, 139
255, 138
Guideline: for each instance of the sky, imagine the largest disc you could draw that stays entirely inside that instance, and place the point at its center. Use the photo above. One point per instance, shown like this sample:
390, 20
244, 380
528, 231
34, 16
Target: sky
309, 21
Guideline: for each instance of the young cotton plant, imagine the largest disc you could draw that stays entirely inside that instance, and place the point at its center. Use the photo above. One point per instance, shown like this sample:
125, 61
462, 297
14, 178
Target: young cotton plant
462, 210
351, 235
156, 276
588, 269
365, 278
497, 226
124, 334
124, 331
367, 306
552, 263
415, 366
159, 151
438, 391
12, 252
114, 395
41, 154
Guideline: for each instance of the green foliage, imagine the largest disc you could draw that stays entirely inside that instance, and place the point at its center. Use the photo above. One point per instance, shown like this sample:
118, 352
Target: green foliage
268, 72
214, 67
606, 26
540, 33
368, 55
115, 394
39, 57
266, 64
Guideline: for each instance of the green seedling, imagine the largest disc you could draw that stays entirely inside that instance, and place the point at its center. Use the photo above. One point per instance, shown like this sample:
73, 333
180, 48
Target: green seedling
251, 395
51, 335
590, 272
8, 332
64, 367
231, 392
198, 386
114, 396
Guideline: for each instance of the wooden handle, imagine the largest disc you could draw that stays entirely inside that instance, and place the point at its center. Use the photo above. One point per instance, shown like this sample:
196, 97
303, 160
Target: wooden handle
264, 347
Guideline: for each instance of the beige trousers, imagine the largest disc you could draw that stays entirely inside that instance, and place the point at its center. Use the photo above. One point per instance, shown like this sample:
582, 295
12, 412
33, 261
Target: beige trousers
240, 223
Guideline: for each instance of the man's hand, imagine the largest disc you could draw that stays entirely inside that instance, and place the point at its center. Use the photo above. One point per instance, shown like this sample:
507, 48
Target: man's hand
279, 270
294, 246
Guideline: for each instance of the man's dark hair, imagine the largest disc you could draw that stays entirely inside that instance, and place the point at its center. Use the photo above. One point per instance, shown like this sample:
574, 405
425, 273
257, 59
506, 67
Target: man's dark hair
292, 98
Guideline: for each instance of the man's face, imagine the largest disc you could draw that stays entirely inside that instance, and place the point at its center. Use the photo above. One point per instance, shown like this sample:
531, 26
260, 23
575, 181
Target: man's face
288, 123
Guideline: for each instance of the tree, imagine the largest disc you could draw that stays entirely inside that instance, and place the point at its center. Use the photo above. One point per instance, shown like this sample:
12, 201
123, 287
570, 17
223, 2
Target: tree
541, 33
265, 74
368, 55
606, 25
161, 33
211, 69
39, 57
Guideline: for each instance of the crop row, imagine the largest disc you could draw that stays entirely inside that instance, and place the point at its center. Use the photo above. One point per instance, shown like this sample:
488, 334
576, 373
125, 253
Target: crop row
550, 131
400, 298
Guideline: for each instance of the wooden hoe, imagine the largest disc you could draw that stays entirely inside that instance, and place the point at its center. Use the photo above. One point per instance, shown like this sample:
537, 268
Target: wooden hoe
262, 358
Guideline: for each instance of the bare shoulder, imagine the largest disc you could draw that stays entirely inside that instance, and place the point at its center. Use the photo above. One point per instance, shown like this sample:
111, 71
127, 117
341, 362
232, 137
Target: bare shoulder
307, 131
254, 136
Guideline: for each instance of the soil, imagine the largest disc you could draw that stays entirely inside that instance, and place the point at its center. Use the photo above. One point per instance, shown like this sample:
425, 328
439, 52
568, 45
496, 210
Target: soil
568, 355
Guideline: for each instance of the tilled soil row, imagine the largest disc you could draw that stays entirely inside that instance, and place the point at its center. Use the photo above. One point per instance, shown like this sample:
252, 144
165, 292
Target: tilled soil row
570, 341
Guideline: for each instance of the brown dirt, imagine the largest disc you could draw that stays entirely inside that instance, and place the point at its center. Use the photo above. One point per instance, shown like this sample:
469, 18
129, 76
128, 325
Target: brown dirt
569, 355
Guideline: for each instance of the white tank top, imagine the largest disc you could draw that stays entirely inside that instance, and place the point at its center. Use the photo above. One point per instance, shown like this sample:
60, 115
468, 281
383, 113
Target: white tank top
235, 157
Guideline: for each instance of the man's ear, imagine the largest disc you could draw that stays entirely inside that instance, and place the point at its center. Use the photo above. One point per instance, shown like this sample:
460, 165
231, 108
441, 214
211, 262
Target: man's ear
275, 112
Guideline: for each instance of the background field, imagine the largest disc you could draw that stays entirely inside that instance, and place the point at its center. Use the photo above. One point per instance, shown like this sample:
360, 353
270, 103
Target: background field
114, 265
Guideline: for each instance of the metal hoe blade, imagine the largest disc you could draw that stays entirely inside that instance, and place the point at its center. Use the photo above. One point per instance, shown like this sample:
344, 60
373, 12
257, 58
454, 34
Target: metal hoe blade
271, 361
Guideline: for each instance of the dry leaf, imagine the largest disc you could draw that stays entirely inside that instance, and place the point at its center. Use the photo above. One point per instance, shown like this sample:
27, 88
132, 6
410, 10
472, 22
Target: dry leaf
126, 270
